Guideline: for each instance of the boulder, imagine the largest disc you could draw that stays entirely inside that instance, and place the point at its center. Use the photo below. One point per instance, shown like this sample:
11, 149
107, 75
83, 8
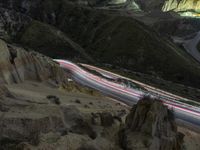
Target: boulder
150, 125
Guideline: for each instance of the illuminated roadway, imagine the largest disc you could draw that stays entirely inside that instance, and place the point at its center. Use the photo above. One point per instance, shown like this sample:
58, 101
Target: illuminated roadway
183, 112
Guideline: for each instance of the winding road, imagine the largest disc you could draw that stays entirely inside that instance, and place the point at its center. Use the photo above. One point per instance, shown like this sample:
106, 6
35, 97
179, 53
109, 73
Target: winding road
183, 112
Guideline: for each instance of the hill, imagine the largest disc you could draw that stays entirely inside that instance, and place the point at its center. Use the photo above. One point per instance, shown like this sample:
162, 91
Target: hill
127, 43
105, 37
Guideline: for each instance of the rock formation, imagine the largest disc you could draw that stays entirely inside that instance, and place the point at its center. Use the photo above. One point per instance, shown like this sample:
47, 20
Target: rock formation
18, 65
181, 5
150, 125
169, 5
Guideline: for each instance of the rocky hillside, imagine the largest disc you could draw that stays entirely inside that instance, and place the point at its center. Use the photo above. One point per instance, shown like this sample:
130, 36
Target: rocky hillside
170, 5
18, 65
182, 5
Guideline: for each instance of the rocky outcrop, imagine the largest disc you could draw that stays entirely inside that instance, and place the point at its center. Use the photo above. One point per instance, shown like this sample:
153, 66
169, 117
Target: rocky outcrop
18, 65
181, 5
150, 125
169, 5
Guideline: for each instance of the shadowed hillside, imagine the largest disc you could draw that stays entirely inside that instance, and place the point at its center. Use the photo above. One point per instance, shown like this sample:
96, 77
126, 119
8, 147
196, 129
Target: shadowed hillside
198, 46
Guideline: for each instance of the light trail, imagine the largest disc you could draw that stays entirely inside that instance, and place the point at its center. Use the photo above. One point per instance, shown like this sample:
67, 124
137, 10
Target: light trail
182, 111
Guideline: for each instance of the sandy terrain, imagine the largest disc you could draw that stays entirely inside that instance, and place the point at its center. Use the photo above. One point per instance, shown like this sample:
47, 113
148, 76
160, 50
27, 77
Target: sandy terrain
36, 92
